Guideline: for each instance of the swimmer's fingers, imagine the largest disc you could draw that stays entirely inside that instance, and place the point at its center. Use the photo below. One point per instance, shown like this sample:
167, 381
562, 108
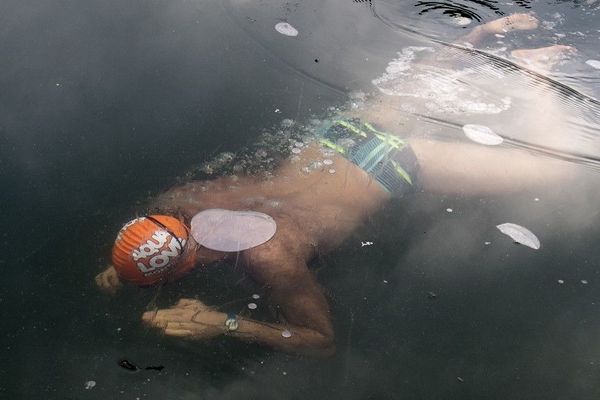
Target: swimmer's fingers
108, 280
178, 324
184, 329
194, 304
178, 332
160, 318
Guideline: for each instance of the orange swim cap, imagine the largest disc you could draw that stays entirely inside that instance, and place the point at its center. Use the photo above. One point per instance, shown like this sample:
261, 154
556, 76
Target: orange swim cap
148, 249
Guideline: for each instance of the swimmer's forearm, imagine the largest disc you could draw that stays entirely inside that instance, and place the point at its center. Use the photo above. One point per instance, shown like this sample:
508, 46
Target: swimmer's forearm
287, 338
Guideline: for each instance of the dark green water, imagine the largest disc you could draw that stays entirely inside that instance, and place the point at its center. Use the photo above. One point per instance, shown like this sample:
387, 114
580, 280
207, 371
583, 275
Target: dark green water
107, 102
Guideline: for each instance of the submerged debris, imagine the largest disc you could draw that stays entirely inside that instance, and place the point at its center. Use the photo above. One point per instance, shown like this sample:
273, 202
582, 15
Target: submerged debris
128, 365
520, 235
286, 29
482, 135
593, 63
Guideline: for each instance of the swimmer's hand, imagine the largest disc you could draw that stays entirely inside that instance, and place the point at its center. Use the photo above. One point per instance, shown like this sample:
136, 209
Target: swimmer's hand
189, 318
108, 280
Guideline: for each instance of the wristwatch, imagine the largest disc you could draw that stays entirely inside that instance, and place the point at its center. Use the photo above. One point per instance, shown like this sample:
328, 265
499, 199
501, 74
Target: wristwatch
231, 322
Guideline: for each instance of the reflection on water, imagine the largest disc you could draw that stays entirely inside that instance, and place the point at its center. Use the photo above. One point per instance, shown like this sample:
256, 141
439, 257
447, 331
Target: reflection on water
428, 298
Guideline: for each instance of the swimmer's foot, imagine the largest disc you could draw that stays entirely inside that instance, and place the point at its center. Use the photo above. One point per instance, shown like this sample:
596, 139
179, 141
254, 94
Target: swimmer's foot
544, 58
514, 22
499, 26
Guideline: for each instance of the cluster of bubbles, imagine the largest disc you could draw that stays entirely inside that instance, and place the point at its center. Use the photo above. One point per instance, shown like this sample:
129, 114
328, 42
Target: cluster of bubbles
261, 158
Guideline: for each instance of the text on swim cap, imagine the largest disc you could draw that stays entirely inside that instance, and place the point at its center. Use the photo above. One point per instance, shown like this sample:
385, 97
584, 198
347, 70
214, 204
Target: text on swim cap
159, 255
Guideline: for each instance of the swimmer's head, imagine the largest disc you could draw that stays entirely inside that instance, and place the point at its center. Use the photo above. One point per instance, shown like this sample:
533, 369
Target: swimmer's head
149, 250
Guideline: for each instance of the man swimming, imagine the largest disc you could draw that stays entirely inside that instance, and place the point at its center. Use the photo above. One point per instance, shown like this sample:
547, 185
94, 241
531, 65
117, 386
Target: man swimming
305, 212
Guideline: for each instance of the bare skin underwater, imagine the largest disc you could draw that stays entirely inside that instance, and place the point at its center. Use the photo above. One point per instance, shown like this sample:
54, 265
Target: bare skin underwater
316, 212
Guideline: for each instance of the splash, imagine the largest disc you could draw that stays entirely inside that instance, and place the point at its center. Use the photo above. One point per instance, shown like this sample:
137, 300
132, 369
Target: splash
443, 90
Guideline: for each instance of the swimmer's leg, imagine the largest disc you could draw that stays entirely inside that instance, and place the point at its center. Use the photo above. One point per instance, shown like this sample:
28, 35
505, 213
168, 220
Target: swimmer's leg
475, 169
471, 169
514, 22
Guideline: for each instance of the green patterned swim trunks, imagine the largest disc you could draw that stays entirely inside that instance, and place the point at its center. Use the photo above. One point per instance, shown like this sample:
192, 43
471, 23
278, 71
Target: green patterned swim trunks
386, 157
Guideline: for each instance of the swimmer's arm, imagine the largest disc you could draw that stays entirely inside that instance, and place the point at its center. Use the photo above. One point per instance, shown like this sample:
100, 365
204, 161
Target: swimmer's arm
190, 198
309, 328
302, 301
297, 293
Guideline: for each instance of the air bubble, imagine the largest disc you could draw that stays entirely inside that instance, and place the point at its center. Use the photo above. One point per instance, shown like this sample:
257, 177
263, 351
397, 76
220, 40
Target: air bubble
286, 334
327, 152
287, 123
316, 165
252, 306
261, 153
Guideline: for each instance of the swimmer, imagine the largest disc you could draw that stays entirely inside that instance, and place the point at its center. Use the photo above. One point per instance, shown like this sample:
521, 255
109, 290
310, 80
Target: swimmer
305, 212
